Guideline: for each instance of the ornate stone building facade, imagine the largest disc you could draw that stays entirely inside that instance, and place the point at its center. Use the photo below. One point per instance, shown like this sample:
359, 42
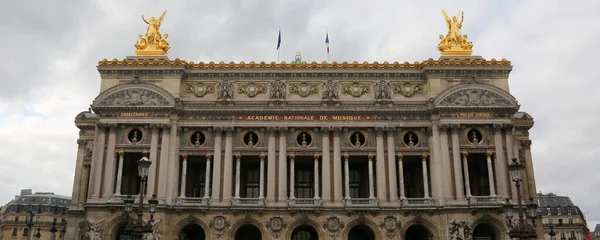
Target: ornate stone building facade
303, 150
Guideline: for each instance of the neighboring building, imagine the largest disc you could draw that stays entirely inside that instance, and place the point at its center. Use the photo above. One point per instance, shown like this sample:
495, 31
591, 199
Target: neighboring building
566, 218
596, 233
303, 150
46, 207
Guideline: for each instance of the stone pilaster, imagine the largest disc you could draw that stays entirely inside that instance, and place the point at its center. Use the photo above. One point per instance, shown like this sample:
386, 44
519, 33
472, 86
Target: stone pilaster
163, 163
76, 194
391, 167
380, 167
97, 162
271, 162
458, 175
109, 165
227, 166
173, 165
337, 168
326, 166
500, 162
282, 173
446, 166
152, 176
217, 163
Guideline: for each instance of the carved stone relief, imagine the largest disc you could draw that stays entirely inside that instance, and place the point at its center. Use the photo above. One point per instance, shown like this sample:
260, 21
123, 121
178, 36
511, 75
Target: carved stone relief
355, 89
200, 89
460, 230
390, 224
94, 230
252, 89
408, 89
383, 91
474, 97
277, 90
155, 234
304, 89
219, 223
225, 91
330, 91
134, 97
276, 224
333, 224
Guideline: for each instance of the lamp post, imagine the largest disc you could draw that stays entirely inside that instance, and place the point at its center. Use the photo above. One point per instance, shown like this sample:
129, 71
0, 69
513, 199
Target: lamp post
63, 232
29, 221
552, 233
138, 228
53, 230
37, 233
522, 230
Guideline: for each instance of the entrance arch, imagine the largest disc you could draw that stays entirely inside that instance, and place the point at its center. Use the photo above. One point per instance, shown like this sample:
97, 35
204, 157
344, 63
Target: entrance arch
485, 231
305, 232
248, 232
361, 232
418, 232
192, 232
120, 234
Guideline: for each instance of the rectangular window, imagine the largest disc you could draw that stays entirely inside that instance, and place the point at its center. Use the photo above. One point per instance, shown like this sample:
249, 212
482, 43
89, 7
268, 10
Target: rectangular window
14, 232
37, 220
560, 222
252, 184
550, 221
558, 211
355, 184
562, 235
571, 221
25, 232
304, 182
568, 211
572, 234
16, 219
549, 210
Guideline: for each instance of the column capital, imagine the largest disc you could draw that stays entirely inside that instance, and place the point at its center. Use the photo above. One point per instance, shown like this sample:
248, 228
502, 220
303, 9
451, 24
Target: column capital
165, 127
271, 130
346, 156
154, 127
379, 130
102, 126
489, 154
291, 156
336, 131
208, 156
237, 157
282, 129
444, 127
81, 142
370, 157
229, 130
526, 144
262, 156
121, 153
454, 127
317, 156
184, 156
424, 156
465, 154
497, 127
390, 129
218, 129
326, 129
400, 156
112, 126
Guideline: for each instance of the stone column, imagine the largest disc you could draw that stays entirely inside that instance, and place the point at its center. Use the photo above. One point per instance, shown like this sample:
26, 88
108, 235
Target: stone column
325, 166
401, 176
237, 176
207, 177
109, 173
501, 168
425, 176
435, 163
282, 175
347, 175
97, 161
337, 167
150, 189
371, 179
526, 146
217, 163
391, 168
292, 180
271, 165
76, 193
173, 163
466, 173
491, 174
445, 158
510, 154
458, 176
381, 183
227, 166
120, 173
183, 175
316, 176
163, 163
261, 186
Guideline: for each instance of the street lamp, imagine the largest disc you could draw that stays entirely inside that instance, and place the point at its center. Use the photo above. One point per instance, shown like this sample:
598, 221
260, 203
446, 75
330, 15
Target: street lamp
37, 233
63, 232
522, 230
53, 230
552, 233
138, 228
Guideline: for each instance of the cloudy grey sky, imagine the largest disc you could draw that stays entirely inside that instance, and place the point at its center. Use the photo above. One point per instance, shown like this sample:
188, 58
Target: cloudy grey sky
50, 50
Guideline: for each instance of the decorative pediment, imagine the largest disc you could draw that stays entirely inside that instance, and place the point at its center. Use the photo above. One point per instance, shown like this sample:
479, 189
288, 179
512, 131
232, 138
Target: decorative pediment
475, 95
134, 95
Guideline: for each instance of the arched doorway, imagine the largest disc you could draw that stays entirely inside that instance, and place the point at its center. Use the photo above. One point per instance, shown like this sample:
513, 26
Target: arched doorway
192, 232
418, 232
120, 234
484, 232
248, 232
361, 232
305, 232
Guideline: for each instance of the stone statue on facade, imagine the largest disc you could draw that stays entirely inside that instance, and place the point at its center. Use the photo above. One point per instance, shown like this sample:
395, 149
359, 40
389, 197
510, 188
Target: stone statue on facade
225, 91
277, 90
383, 91
153, 42
94, 230
155, 234
459, 230
330, 91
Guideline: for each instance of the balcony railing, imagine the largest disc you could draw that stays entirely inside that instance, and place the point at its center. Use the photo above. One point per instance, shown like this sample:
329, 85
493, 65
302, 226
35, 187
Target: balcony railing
254, 202
305, 202
361, 202
485, 200
417, 202
193, 201
120, 198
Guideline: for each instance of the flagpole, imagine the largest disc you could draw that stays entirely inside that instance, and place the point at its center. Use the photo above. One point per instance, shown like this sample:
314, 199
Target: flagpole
278, 51
327, 34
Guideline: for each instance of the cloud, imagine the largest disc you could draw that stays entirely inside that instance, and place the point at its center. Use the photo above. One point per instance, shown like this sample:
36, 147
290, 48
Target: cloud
48, 73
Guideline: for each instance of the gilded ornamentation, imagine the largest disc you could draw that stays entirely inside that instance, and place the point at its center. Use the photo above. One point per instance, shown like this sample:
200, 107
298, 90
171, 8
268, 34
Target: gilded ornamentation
355, 89
455, 44
219, 223
474, 97
383, 91
390, 224
408, 89
225, 91
200, 89
153, 43
277, 90
459, 230
251, 89
304, 89
134, 97
330, 91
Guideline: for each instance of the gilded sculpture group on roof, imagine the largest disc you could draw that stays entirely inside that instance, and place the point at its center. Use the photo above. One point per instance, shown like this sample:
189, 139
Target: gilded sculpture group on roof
454, 43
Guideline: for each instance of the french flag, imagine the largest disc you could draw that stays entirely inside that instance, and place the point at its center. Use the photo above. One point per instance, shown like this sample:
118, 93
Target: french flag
327, 42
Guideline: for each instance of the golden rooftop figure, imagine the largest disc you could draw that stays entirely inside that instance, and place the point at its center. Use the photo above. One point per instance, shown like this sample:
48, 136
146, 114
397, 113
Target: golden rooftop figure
455, 44
153, 43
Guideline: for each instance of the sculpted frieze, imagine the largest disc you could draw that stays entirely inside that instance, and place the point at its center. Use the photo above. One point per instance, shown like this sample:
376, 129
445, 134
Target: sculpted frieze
225, 91
304, 89
460, 230
475, 97
330, 91
134, 97
355, 89
277, 90
200, 89
383, 91
408, 89
252, 89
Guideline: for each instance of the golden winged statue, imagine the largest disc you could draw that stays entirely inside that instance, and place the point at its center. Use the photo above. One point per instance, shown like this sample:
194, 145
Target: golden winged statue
454, 44
153, 43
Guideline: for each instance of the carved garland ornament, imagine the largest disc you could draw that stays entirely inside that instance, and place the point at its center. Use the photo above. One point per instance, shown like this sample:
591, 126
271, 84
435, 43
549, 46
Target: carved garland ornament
474, 97
408, 89
355, 89
219, 223
333, 224
304, 89
390, 224
276, 224
134, 97
200, 89
251, 89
